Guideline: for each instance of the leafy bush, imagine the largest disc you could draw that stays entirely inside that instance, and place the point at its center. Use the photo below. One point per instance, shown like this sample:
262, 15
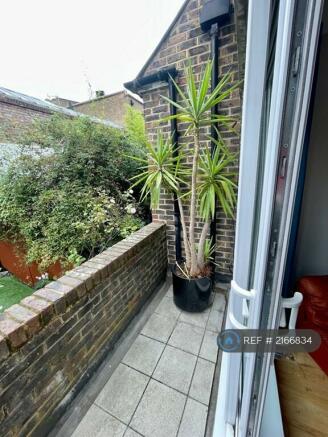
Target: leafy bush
68, 200
135, 126
91, 153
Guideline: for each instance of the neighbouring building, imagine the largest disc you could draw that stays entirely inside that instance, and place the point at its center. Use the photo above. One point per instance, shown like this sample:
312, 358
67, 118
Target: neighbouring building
18, 112
109, 106
60, 101
185, 42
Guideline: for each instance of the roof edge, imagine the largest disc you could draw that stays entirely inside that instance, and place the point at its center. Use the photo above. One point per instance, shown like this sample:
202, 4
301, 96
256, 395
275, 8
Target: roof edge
166, 34
14, 98
96, 99
161, 76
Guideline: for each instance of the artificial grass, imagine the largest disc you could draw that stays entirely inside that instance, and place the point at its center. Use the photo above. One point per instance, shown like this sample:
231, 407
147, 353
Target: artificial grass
12, 291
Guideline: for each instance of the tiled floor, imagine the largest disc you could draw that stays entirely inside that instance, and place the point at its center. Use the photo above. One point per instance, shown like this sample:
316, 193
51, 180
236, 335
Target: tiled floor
162, 386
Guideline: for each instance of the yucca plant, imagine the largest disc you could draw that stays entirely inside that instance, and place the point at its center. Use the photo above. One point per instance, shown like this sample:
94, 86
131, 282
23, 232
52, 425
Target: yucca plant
208, 179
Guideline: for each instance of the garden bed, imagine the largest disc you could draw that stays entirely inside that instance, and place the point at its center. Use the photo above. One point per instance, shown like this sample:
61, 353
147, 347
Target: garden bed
12, 258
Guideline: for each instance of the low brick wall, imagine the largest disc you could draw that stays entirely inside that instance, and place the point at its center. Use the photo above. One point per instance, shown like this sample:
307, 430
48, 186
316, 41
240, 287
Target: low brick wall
53, 339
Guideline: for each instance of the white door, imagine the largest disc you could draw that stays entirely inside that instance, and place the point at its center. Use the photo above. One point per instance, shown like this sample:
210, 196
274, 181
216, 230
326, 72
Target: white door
281, 50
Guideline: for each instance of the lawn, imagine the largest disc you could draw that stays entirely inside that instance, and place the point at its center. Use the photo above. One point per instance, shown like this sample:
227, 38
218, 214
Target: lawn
12, 291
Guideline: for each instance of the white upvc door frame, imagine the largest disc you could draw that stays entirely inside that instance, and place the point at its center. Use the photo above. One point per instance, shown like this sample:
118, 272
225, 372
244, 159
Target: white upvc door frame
306, 72
255, 75
280, 73
229, 421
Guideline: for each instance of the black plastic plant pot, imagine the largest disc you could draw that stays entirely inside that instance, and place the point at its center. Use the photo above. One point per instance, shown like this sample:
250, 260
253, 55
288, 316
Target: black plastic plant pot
192, 295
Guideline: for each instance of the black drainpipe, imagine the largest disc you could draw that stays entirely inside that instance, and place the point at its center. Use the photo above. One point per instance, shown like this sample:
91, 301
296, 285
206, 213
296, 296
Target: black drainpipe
214, 133
213, 14
165, 75
175, 137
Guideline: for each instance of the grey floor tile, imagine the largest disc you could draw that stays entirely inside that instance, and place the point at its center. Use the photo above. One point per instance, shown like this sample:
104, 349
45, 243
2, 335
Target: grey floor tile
187, 337
97, 423
219, 302
167, 308
144, 354
123, 391
175, 369
169, 292
215, 320
201, 384
159, 412
209, 348
159, 327
194, 420
131, 433
197, 319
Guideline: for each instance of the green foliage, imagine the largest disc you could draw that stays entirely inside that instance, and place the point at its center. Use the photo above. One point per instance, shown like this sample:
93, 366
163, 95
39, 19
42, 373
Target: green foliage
196, 104
67, 199
209, 179
216, 182
135, 126
160, 169
209, 249
42, 281
91, 153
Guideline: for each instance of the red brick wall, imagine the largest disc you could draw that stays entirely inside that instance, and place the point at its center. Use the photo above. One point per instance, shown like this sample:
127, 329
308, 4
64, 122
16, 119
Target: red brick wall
16, 120
185, 42
52, 340
112, 107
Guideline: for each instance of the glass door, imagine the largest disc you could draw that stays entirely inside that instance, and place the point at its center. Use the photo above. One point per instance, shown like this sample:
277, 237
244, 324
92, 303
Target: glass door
281, 46
297, 39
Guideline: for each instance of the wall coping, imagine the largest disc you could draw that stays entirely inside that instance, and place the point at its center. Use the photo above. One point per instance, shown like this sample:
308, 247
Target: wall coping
20, 322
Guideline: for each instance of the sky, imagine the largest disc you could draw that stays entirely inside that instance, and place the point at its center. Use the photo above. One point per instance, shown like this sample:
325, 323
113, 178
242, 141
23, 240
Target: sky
71, 48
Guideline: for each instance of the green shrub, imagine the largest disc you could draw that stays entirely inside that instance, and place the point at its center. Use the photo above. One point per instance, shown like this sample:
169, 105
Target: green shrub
67, 199
92, 153
135, 127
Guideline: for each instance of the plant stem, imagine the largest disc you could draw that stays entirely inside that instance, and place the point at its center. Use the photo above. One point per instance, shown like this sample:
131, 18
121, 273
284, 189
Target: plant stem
193, 266
185, 234
201, 245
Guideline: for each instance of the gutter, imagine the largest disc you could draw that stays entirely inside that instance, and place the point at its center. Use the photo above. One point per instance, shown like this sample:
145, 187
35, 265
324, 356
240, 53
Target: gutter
160, 76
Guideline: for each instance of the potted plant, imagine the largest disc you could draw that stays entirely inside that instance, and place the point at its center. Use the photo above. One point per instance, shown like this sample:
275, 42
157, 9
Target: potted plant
197, 188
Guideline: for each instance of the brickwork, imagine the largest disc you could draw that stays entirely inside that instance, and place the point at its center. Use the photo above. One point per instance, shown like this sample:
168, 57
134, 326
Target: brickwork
16, 120
51, 340
19, 111
111, 107
186, 42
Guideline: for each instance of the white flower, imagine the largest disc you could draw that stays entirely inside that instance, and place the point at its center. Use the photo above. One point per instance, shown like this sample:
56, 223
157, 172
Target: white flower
133, 210
112, 200
131, 191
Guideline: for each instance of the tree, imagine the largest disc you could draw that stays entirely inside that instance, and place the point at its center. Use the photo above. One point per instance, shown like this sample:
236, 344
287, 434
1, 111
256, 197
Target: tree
208, 178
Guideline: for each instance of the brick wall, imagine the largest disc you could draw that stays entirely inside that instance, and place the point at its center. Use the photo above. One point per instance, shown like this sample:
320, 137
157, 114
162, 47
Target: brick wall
16, 120
51, 340
111, 107
185, 42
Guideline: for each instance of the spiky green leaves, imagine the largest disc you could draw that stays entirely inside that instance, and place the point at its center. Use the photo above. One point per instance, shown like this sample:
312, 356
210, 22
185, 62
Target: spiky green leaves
216, 181
197, 101
161, 169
